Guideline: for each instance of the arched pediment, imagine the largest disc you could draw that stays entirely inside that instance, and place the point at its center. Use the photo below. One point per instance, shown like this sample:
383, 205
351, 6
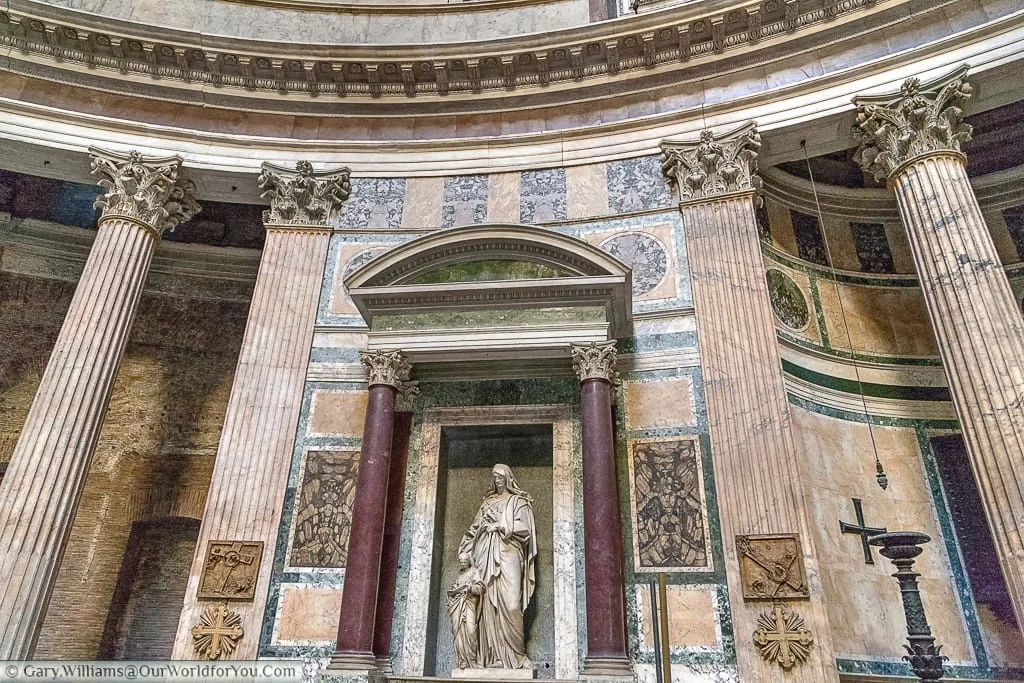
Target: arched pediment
492, 288
559, 253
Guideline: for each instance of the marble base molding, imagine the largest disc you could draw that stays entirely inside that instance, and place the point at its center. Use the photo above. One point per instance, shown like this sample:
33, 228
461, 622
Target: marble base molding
495, 674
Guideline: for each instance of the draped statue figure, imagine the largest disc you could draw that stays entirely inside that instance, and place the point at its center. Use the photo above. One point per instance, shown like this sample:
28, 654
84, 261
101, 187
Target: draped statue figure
497, 556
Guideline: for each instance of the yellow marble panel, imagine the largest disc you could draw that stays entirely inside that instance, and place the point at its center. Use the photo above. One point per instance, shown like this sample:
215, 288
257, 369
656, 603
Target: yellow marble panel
691, 616
1005, 247
662, 403
782, 227
902, 259
422, 205
503, 198
885, 321
841, 247
837, 465
308, 613
586, 190
337, 413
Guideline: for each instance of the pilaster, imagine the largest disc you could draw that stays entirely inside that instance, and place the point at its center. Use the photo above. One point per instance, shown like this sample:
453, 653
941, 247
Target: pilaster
250, 473
912, 139
143, 196
753, 452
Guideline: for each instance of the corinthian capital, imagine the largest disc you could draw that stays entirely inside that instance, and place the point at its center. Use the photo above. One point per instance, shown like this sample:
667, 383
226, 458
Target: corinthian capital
595, 360
146, 189
924, 117
303, 196
386, 367
713, 166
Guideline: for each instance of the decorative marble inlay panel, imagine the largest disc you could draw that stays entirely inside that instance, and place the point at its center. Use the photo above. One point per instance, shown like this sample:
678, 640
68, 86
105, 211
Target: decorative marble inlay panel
636, 185
323, 509
645, 254
872, 248
542, 196
772, 567
670, 531
374, 204
465, 200
230, 570
788, 302
810, 242
1014, 218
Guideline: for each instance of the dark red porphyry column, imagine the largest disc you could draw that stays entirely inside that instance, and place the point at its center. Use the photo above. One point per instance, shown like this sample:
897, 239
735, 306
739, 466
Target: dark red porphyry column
392, 534
387, 369
607, 652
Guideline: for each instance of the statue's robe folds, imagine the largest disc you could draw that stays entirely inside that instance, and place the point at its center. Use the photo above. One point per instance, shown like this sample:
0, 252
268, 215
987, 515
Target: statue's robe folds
505, 558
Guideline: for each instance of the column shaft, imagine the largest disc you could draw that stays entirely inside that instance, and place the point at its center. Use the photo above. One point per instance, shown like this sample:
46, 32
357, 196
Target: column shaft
359, 595
254, 456
44, 481
392, 537
753, 451
980, 334
606, 591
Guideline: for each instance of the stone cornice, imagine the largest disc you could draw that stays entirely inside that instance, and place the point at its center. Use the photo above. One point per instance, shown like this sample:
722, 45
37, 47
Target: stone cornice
397, 7
123, 50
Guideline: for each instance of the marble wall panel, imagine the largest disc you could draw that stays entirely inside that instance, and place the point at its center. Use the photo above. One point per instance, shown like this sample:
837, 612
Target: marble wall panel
659, 403
542, 196
691, 617
636, 185
669, 511
865, 612
781, 223
1007, 229
374, 204
350, 257
786, 304
902, 259
503, 205
421, 207
337, 413
872, 245
308, 614
464, 200
649, 252
323, 509
586, 191
841, 247
879, 320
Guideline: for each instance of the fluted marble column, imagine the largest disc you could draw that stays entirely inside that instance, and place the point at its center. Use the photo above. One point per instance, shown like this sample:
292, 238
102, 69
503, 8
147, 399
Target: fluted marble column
388, 370
607, 648
913, 139
752, 447
254, 455
143, 196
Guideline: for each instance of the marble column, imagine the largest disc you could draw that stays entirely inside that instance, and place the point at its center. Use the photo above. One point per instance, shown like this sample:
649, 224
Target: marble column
388, 370
912, 139
250, 473
607, 647
752, 446
143, 196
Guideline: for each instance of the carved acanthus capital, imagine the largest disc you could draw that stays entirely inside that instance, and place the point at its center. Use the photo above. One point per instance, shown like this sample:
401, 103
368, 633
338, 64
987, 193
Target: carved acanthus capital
595, 360
303, 196
923, 118
405, 400
146, 189
386, 367
713, 166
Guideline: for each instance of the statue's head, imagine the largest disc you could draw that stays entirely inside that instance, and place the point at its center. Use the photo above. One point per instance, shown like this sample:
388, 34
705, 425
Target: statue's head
503, 480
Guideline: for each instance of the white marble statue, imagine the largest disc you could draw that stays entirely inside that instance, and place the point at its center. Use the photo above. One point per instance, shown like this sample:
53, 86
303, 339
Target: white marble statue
497, 556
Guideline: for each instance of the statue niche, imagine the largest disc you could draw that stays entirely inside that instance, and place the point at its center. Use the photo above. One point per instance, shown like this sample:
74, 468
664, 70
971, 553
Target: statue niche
486, 602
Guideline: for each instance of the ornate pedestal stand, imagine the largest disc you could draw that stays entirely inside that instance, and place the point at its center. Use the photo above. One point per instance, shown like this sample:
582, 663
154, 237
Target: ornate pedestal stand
902, 547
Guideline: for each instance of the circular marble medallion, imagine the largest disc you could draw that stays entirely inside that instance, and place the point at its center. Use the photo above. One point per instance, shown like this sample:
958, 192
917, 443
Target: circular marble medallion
788, 302
643, 253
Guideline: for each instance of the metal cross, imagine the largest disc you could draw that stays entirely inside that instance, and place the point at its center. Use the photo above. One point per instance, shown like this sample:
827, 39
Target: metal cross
865, 532
216, 630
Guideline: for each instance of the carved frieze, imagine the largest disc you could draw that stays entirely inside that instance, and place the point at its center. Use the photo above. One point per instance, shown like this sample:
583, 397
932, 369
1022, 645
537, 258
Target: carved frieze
924, 117
386, 367
230, 570
217, 633
145, 189
595, 360
771, 567
303, 196
713, 165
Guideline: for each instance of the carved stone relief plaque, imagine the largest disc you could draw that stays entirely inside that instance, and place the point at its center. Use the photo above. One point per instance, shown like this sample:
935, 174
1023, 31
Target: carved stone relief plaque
782, 637
217, 633
230, 570
772, 567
